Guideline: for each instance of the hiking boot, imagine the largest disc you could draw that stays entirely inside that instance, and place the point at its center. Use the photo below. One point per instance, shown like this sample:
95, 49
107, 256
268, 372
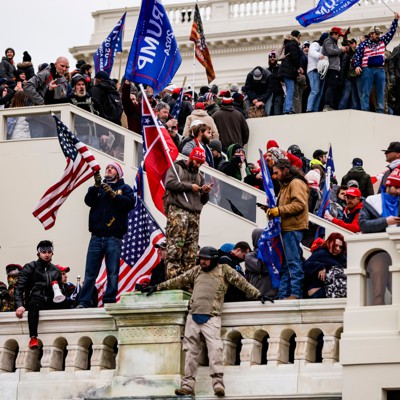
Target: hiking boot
328, 108
184, 392
219, 391
33, 343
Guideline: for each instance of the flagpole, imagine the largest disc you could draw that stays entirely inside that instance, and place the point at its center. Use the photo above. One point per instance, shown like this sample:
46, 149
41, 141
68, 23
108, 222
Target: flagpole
166, 148
120, 54
194, 70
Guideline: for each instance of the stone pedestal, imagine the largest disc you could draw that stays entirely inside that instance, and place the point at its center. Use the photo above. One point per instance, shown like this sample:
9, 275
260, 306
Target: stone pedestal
150, 360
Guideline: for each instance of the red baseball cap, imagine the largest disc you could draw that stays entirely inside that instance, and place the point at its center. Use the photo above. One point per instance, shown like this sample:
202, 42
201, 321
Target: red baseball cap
198, 154
62, 269
355, 192
338, 30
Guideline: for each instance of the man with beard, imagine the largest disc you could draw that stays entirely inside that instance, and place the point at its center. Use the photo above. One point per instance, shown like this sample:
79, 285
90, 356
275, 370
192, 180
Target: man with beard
275, 102
7, 66
185, 195
200, 136
34, 288
369, 61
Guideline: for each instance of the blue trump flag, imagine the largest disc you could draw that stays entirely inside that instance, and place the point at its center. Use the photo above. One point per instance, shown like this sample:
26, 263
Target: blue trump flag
270, 248
177, 105
154, 57
325, 9
330, 162
105, 54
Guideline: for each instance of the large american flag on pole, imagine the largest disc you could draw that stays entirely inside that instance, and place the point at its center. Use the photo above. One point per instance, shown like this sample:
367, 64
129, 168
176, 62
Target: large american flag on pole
81, 165
139, 256
159, 153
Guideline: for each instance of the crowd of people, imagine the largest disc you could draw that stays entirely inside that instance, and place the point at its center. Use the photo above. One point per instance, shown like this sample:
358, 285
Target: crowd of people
211, 129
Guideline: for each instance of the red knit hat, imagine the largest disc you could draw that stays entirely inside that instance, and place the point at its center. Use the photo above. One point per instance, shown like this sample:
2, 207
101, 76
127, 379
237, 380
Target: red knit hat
118, 168
394, 178
271, 143
198, 154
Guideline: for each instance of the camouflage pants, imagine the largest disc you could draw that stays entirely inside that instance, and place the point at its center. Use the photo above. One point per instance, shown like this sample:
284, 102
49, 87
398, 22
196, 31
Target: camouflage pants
182, 240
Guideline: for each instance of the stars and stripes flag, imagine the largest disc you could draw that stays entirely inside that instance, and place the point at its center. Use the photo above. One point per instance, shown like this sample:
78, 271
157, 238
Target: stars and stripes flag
201, 49
330, 163
270, 249
139, 256
159, 153
105, 54
81, 165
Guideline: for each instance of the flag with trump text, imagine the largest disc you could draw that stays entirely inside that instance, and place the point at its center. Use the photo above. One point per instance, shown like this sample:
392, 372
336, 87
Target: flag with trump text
270, 249
105, 54
159, 153
81, 165
154, 57
325, 9
138, 256
201, 49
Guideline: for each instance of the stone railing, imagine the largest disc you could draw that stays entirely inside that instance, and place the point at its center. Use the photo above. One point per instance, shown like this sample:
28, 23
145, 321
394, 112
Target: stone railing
135, 347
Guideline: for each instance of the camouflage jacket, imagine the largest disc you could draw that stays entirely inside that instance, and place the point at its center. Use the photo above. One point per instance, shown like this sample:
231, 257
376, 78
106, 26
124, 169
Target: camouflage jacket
226, 275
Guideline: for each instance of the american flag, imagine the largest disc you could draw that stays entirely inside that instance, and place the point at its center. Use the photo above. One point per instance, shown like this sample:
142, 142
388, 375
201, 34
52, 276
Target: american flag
330, 162
139, 256
270, 249
159, 153
201, 49
81, 165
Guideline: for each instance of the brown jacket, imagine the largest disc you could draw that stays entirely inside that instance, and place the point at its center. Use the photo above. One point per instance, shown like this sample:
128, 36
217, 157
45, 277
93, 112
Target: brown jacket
293, 205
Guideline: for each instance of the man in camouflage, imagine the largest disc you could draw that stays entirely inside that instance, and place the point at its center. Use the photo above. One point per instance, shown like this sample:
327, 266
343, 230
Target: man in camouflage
7, 302
210, 282
183, 213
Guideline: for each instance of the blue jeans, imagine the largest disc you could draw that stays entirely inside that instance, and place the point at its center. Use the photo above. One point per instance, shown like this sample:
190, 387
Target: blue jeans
288, 104
317, 89
99, 248
292, 275
369, 78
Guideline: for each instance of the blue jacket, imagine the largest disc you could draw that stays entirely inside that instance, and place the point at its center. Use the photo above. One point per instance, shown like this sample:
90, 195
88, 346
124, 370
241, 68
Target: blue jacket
109, 216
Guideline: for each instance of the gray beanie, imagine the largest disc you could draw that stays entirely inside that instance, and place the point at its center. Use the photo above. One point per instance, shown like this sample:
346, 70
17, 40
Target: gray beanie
216, 144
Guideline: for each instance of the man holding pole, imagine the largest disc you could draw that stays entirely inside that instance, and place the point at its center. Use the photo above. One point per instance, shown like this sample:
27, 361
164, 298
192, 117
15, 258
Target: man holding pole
185, 196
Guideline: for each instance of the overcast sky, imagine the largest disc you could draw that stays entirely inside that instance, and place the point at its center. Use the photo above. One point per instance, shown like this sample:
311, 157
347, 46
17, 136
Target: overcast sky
48, 28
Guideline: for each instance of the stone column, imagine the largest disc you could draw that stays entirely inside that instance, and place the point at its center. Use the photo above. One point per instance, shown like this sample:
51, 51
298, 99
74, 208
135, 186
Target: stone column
305, 349
7, 357
251, 352
77, 358
52, 359
330, 351
102, 358
278, 351
229, 352
150, 361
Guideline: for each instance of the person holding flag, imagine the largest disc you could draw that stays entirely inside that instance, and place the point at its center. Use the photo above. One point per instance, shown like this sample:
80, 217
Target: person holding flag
292, 207
110, 203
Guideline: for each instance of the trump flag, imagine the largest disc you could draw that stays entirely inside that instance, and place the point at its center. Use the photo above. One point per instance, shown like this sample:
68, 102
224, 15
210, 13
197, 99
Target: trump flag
154, 57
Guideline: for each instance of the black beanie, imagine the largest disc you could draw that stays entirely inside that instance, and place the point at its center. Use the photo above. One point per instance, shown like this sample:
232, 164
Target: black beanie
9, 48
26, 57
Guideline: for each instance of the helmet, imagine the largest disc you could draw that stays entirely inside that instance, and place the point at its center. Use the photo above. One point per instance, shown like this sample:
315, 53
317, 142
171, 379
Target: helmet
294, 149
209, 252
76, 78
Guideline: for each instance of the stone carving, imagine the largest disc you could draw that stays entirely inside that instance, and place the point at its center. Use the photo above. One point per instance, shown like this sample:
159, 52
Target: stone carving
150, 334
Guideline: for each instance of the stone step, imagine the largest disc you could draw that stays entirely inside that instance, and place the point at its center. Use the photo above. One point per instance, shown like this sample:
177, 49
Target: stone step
297, 397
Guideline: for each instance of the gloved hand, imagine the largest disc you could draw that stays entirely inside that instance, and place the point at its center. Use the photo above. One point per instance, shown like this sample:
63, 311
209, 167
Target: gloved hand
107, 188
149, 290
97, 179
273, 212
263, 298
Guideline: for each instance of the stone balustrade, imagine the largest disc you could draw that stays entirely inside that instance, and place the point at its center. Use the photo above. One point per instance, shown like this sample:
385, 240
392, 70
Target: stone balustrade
286, 348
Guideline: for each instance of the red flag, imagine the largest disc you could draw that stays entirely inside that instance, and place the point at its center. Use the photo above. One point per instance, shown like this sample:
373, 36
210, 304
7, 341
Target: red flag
159, 154
201, 49
81, 165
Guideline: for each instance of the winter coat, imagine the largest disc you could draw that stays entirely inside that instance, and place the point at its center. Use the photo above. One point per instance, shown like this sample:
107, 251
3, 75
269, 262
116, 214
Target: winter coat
27, 67
260, 90
319, 260
202, 115
232, 127
314, 54
293, 205
7, 69
34, 283
291, 63
231, 167
175, 189
350, 219
331, 49
276, 84
256, 270
370, 218
18, 128
109, 216
132, 111
102, 100
212, 109
364, 180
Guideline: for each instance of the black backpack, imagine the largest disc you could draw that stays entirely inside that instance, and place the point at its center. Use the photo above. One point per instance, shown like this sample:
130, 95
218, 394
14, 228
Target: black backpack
114, 109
